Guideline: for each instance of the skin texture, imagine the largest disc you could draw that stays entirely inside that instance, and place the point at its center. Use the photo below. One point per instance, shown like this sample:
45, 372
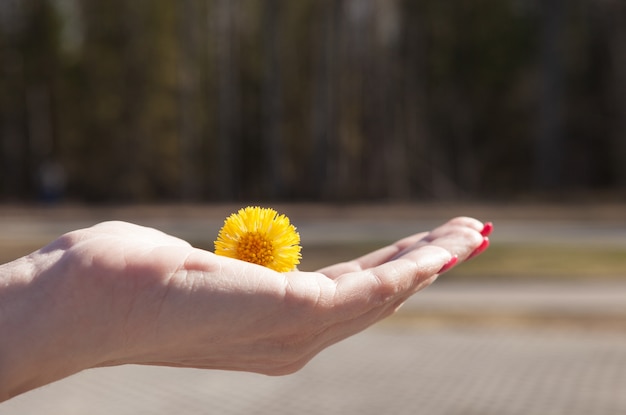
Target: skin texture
119, 293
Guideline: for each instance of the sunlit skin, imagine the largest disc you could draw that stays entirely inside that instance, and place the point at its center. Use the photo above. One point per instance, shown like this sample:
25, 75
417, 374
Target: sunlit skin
118, 293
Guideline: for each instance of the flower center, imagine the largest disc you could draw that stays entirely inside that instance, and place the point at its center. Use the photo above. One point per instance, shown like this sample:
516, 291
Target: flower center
255, 247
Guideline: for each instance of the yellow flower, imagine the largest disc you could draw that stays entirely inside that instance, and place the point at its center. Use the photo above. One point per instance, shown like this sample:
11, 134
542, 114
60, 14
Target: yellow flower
261, 236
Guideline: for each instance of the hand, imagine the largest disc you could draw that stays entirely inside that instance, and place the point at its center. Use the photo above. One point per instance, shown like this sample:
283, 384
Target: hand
119, 293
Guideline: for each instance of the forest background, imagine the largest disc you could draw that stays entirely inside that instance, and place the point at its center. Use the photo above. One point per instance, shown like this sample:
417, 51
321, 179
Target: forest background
324, 100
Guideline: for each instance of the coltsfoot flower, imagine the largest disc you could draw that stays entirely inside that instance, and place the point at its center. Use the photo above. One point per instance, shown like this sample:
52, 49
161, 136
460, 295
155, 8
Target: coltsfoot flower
261, 236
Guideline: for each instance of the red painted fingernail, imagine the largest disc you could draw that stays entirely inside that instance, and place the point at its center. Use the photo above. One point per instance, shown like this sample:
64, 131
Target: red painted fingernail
487, 229
452, 262
481, 248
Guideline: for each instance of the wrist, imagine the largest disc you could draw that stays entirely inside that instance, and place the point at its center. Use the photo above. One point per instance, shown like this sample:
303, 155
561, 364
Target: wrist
38, 322
15, 279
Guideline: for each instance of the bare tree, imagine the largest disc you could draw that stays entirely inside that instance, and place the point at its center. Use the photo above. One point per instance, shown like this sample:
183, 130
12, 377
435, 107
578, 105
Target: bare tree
188, 86
616, 19
229, 107
324, 110
549, 141
271, 99
12, 143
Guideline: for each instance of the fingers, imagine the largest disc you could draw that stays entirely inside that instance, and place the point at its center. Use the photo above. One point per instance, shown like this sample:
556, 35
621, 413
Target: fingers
460, 236
377, 283
374, 258
369, 260
461, 230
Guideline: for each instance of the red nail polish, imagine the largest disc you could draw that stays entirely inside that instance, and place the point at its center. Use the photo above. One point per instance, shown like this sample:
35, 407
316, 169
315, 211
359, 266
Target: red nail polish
452, 262
481, 248
487, 229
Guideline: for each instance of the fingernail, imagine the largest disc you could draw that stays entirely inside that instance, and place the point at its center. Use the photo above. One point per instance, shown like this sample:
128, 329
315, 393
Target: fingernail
481, 248
487, 229
452, 262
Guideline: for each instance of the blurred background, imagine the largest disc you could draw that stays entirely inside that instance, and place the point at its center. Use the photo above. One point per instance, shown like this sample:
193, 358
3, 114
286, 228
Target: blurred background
220, 100
363, 121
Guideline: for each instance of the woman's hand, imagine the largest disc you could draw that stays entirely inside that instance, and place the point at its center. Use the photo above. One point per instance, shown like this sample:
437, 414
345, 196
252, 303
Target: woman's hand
119, 293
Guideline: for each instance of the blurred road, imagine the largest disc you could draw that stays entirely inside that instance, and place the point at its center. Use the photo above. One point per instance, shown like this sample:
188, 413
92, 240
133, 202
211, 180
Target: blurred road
457, 348
29, 227
389, 369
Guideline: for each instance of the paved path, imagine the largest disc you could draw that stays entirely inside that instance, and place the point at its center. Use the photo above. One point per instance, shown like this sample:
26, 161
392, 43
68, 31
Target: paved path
574, 303
389, 369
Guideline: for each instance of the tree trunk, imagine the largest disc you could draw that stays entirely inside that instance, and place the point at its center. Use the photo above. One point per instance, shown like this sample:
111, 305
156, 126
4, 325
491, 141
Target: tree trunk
323, 107
229, 108
188, 85
549, 145
272, 101
617, 50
